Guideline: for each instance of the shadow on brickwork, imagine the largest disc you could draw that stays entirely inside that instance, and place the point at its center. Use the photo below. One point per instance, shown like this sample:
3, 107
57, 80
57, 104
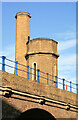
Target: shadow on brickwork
9, 112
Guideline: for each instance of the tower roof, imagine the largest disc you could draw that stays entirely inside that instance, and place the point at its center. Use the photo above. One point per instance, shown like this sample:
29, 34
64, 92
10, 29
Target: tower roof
45, 39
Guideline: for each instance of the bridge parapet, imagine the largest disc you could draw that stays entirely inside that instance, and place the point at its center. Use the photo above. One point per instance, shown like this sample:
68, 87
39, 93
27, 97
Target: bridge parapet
25, 85
37, 75
24, 94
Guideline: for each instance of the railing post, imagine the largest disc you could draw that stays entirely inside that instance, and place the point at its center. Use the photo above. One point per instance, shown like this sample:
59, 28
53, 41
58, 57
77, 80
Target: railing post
16, 67
38, 76
47, 78
56, 81
3, 63
27, 71
77, 88
70, 86
63, 84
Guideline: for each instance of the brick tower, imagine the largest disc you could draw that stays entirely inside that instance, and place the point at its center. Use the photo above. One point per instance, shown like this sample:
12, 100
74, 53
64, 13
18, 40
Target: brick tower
22, 37
42, 55
39, 53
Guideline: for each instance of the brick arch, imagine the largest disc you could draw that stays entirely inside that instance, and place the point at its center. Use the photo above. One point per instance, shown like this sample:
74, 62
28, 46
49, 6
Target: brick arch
36, 114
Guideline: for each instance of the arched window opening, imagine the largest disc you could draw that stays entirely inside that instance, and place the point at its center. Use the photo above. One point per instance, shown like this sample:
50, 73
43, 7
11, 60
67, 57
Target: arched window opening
34, 71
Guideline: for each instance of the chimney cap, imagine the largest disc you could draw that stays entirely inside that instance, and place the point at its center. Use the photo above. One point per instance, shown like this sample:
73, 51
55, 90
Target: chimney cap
23, 13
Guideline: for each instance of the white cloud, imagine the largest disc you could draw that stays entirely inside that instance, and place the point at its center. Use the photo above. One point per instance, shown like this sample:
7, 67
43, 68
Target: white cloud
66, 39
68, 35
63, 45
67, 60
67, 67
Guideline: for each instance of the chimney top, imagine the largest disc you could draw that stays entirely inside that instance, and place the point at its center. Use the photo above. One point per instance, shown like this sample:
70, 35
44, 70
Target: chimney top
23, 13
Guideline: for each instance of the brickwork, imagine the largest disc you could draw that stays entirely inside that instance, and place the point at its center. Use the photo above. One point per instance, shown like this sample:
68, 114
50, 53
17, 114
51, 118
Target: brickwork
44, 53
39, 50
22, 33
17, 104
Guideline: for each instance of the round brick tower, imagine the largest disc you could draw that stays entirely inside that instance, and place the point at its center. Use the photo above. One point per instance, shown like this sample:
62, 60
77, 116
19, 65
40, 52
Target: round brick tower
22, 37
42, 55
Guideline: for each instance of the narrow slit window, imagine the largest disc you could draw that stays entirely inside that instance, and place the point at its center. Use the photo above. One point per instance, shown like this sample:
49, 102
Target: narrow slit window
34, 71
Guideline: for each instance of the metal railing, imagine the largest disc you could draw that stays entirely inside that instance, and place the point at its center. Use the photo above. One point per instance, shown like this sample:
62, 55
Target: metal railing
65, 84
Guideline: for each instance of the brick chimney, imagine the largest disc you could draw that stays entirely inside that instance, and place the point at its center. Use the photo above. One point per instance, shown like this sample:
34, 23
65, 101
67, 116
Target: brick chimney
22, 37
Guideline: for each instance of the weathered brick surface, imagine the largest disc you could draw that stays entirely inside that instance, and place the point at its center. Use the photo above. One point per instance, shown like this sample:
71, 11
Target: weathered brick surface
22, 33
18, 104
40, 51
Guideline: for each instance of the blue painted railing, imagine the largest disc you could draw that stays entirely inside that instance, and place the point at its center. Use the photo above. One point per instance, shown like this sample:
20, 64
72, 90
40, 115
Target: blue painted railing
56, 81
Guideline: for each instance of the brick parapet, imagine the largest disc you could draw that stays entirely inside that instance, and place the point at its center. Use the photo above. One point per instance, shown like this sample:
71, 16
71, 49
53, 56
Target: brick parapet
15, 105
27, 85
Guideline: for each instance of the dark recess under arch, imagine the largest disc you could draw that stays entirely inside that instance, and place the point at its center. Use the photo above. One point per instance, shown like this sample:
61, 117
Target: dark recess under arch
36, 114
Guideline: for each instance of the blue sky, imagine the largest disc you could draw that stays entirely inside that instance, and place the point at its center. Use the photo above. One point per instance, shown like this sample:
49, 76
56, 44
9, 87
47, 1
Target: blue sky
54, 20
